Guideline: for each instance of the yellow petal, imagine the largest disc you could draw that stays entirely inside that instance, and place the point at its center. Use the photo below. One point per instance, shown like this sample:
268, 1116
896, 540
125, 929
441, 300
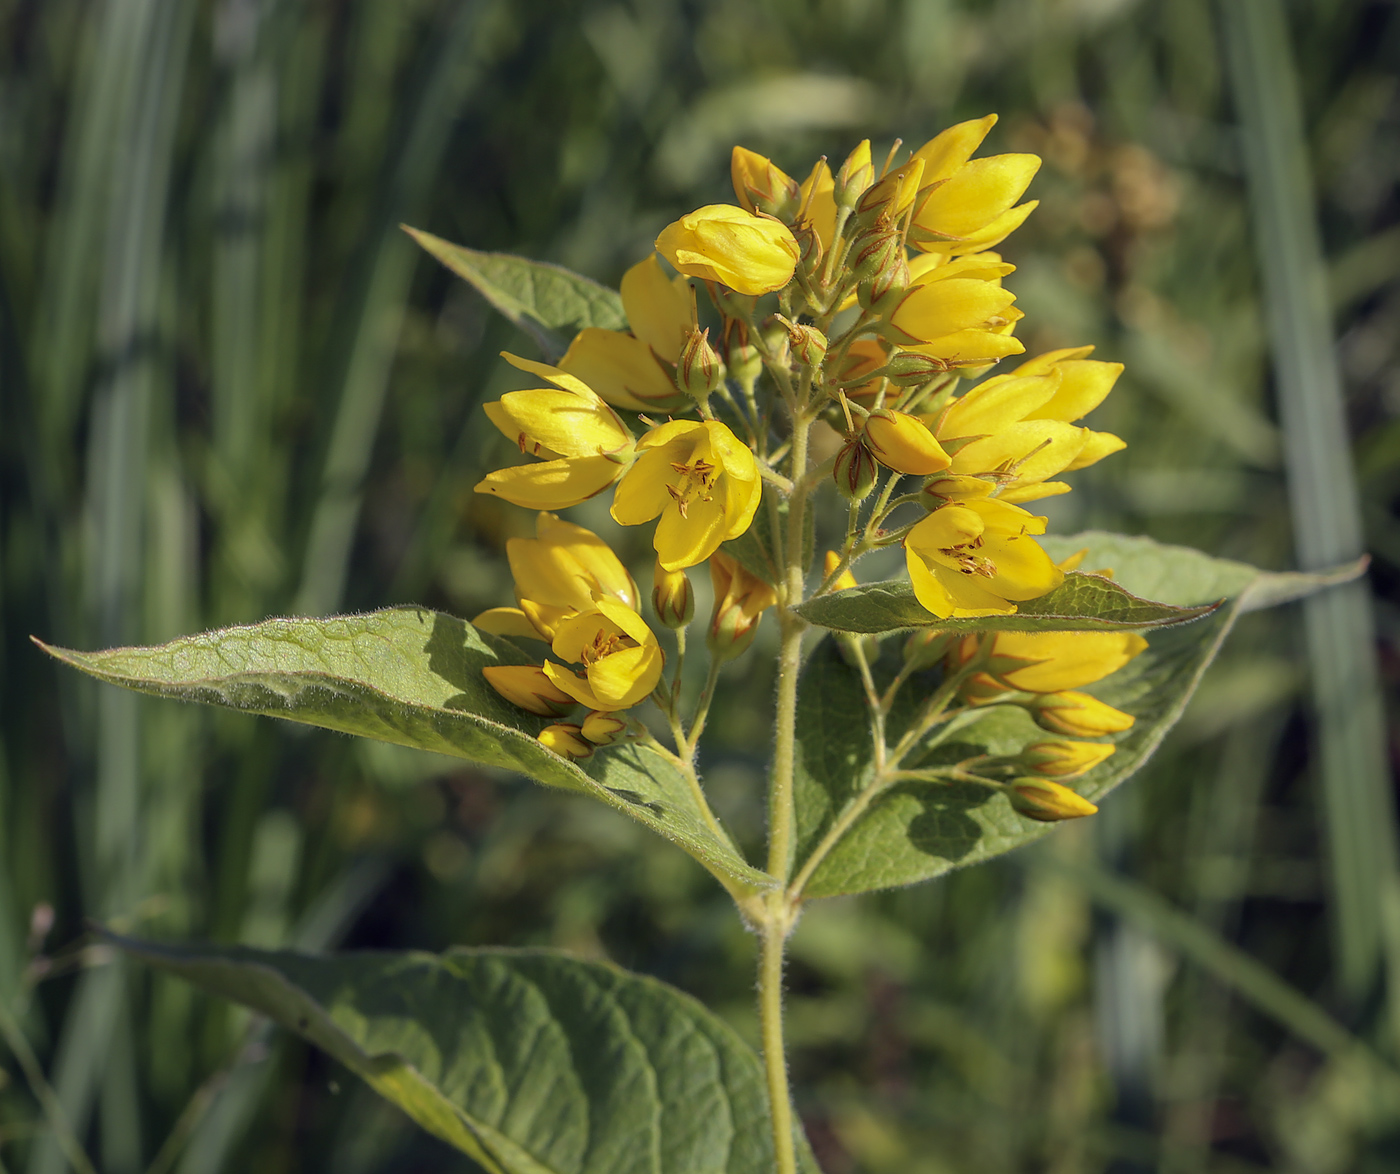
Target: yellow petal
820, 203
642, 493
554, 485
901, 442
976, 195
686, 541
622, 370
561, 379
991, 234
1032, 450
996, 404
1052, 662
941, 307
1097, 445
1044, 363
574, 685
751, 254
510, 622
621, 680
969, 348
1084, 385
561, 422
948, 151
657, 308
1033, 491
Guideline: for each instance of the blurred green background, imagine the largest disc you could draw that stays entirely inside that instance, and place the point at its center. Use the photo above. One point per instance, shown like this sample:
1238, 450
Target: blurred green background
232, 389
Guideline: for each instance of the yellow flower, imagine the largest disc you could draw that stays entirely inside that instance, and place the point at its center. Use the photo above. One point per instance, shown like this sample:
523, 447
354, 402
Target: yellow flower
956, 311
603, 728
702, 483
1047, 802
621, 659
636, 371
1083, 385
820, 203
965, 205
563, 571
1078, 715
740, 601
584, 444
978, 558
1065, 759
901, 442
1050, 662
527, 686
720, 242
509, 622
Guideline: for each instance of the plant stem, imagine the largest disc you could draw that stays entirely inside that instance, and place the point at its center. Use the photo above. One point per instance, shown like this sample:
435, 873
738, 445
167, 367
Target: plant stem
770, 1012
43, 1092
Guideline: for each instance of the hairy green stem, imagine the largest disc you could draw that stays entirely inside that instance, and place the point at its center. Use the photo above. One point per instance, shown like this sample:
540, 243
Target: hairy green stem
770, 1013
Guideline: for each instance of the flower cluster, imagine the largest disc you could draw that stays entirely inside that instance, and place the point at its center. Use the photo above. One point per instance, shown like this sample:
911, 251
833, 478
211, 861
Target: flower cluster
851, 320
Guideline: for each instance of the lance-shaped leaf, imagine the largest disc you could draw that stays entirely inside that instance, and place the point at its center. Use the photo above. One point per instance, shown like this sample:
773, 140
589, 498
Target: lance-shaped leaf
410, 676
548, 302
529, 1061
1083, 602
910, 831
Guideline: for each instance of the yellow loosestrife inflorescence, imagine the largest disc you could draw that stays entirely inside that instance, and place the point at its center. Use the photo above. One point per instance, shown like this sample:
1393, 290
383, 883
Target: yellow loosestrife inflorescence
871, 298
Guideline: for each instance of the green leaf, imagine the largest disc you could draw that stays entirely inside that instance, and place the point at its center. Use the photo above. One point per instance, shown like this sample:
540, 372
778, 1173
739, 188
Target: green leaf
410, 676
1081, 603
529, 1061
540, 298
914, 831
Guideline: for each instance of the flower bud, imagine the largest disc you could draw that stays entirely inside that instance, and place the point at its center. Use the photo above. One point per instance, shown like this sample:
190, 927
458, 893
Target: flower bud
740, 601
700, 370
854, 178
901, 442
752, 255
845, 581
762, 187
1078, 715
808, 344
1047, 802
566, 740
885, 202
926, 647
527, 686
603, 728
874, 252
886, 288
672, 597
855, 471
907, 369
1065, 759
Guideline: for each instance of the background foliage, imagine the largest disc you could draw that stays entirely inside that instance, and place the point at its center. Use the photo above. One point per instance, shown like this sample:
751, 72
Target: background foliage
232, 388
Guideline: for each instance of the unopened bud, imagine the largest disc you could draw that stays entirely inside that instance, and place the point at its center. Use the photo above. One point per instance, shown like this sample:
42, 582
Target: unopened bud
873, 252
885, 202
982, 689
1065, 759
854, 177
885, 290
907, 369
903, 443
672, 597
762, 187
955, 487
700, 370
808, 344
855, 471
925, 648
1077, 715
1047, 802
526, 685
603, 728
741, 599
566, 740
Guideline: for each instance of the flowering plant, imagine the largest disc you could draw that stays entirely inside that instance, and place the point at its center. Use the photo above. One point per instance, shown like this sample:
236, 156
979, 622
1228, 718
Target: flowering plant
813, 360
